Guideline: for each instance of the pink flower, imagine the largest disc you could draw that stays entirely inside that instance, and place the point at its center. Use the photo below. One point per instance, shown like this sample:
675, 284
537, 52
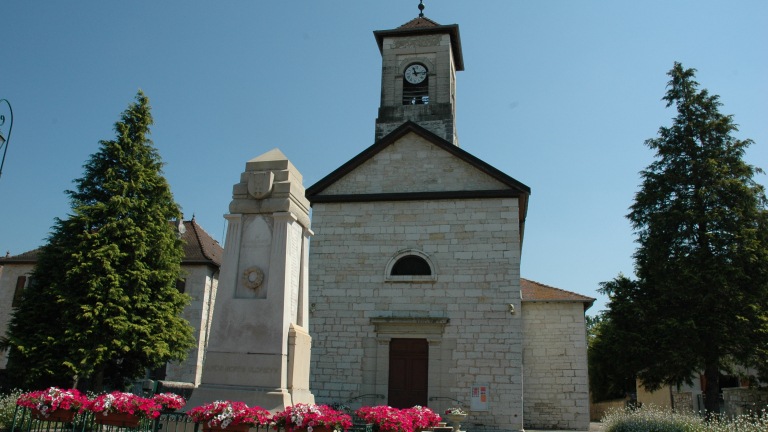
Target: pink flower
225, 413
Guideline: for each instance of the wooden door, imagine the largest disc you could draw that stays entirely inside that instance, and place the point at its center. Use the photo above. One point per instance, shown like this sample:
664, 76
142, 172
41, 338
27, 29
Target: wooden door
408, 372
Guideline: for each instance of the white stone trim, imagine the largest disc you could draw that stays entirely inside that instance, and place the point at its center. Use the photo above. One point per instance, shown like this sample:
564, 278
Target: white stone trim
410, 278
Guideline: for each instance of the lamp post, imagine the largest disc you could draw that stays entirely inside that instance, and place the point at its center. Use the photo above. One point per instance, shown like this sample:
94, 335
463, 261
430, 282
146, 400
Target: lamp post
4, 141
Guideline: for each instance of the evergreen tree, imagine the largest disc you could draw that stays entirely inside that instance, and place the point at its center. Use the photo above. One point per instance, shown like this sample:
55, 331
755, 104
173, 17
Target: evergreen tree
700, 301
607, 379
104, 302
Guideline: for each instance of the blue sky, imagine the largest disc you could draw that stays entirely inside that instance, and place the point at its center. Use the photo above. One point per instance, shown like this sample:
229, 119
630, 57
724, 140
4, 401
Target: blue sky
558, 94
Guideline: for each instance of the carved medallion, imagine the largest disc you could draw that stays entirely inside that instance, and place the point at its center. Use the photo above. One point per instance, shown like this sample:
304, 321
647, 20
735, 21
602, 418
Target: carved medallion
260, 184
253, 277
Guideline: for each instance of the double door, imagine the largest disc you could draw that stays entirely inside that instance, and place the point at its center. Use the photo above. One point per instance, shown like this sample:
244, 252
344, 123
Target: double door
408, 372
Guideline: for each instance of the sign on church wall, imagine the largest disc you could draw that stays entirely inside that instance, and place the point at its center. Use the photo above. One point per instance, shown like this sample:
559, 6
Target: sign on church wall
478, 400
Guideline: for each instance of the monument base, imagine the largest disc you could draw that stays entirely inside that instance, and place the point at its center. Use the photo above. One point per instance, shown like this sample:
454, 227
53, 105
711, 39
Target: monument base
272, 400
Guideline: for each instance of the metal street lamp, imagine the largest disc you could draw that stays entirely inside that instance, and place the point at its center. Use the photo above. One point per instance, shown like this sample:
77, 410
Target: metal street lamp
4, 141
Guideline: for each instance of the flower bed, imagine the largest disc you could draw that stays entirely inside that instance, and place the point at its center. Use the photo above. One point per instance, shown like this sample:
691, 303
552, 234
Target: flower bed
169, 401
422, 417
122, 403
651, 418
387, 418
53, 404
311, 418
223, 414
455, 411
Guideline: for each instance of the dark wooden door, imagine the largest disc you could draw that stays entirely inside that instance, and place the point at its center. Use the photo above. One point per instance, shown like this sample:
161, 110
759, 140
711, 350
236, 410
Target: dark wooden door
408, 372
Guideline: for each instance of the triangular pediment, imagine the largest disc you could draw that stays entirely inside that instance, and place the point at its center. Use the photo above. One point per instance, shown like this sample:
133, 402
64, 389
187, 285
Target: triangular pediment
412, 160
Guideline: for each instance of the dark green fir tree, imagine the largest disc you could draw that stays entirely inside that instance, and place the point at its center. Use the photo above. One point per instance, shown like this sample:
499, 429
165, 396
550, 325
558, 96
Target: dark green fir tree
104, 305
700, 300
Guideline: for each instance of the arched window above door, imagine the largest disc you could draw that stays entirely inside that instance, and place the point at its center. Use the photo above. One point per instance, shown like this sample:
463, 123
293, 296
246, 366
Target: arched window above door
410, 265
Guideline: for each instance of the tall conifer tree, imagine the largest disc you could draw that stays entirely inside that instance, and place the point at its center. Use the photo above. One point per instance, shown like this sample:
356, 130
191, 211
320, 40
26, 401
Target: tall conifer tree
104, 301
700, 301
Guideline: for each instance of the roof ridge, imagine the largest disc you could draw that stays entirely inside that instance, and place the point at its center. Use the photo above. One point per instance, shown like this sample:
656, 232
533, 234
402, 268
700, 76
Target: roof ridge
195, 226
555, 288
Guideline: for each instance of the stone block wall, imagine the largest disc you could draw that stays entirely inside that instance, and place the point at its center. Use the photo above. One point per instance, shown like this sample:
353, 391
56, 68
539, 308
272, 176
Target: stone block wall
201, 284
740, 400
10, 273
474, 245
556, 394
413, 164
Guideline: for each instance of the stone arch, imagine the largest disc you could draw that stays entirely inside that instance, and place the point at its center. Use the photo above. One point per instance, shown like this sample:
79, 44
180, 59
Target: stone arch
389, 277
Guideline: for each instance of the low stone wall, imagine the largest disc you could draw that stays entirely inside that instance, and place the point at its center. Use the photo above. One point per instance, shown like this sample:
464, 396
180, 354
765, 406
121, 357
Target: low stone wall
739, 400
683, 401
597, 410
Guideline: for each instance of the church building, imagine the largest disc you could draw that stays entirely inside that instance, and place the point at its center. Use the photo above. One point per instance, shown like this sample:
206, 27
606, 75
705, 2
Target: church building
414, 269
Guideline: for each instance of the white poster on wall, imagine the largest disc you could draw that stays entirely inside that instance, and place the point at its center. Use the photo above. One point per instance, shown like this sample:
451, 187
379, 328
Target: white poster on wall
479, 398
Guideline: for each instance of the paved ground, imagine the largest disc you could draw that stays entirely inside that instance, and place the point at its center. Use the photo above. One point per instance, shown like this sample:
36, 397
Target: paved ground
593, 427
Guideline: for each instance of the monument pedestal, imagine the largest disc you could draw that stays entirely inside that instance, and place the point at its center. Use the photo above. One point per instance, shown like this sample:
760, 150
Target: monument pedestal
259, 344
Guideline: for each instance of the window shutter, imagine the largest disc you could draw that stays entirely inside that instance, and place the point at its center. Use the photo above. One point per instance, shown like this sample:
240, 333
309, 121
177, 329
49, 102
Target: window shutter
181, 285
19, 293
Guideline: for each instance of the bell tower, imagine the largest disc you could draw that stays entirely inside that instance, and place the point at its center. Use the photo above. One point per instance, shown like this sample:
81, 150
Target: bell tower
418, 76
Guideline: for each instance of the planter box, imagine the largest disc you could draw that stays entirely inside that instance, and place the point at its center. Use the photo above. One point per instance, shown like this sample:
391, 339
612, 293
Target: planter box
117, 419
58, 415
230, 428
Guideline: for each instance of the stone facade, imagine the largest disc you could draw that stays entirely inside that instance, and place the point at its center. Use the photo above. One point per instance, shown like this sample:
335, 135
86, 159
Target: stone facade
8, 279
555, 366
435, 52
741, 400
201, 283
462, 309
474, 245
413, 164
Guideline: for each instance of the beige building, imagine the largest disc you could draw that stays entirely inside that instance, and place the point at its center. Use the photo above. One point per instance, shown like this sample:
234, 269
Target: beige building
414, 270
202, 259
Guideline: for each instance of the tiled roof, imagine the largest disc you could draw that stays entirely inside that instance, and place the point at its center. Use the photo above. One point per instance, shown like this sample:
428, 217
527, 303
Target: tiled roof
26, 257
419, 22
535, 291
199, 247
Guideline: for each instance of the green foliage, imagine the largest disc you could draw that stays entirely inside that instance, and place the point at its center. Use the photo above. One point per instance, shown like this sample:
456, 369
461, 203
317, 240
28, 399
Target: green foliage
607, 379
700, 301
654, 419
105, 303
8, 408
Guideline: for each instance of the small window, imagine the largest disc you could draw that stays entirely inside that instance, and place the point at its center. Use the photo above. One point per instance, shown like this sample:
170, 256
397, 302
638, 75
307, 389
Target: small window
18, 295
411, 265
181, 285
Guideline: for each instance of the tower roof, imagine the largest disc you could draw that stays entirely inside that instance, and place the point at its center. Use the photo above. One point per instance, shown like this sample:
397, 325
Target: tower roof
419, 22
424, 26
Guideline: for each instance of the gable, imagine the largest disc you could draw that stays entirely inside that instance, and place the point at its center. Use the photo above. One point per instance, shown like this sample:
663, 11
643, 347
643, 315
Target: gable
426, 179
413, 164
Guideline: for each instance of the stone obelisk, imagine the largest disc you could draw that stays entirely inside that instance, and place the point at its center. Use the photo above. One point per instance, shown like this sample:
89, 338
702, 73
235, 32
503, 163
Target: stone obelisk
259, 344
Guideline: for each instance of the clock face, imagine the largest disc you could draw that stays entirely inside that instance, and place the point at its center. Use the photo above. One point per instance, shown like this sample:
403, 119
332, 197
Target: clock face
415, 74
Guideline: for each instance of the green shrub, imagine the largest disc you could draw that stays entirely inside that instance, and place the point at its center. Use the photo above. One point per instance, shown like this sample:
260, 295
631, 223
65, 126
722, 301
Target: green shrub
8, 407
654, 419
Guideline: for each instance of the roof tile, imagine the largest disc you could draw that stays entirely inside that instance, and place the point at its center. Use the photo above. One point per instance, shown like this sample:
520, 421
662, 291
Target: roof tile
538, 291
199, 246
419, 22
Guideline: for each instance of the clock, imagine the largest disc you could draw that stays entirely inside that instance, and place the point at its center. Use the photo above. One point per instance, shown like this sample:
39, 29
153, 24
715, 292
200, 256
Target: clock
415, 74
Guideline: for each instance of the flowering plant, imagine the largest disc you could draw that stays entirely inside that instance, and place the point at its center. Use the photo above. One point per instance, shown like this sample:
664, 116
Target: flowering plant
47, 401
169, 401
422, 417
225, 413
124, 403
309, 416
387, 418
455, 411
